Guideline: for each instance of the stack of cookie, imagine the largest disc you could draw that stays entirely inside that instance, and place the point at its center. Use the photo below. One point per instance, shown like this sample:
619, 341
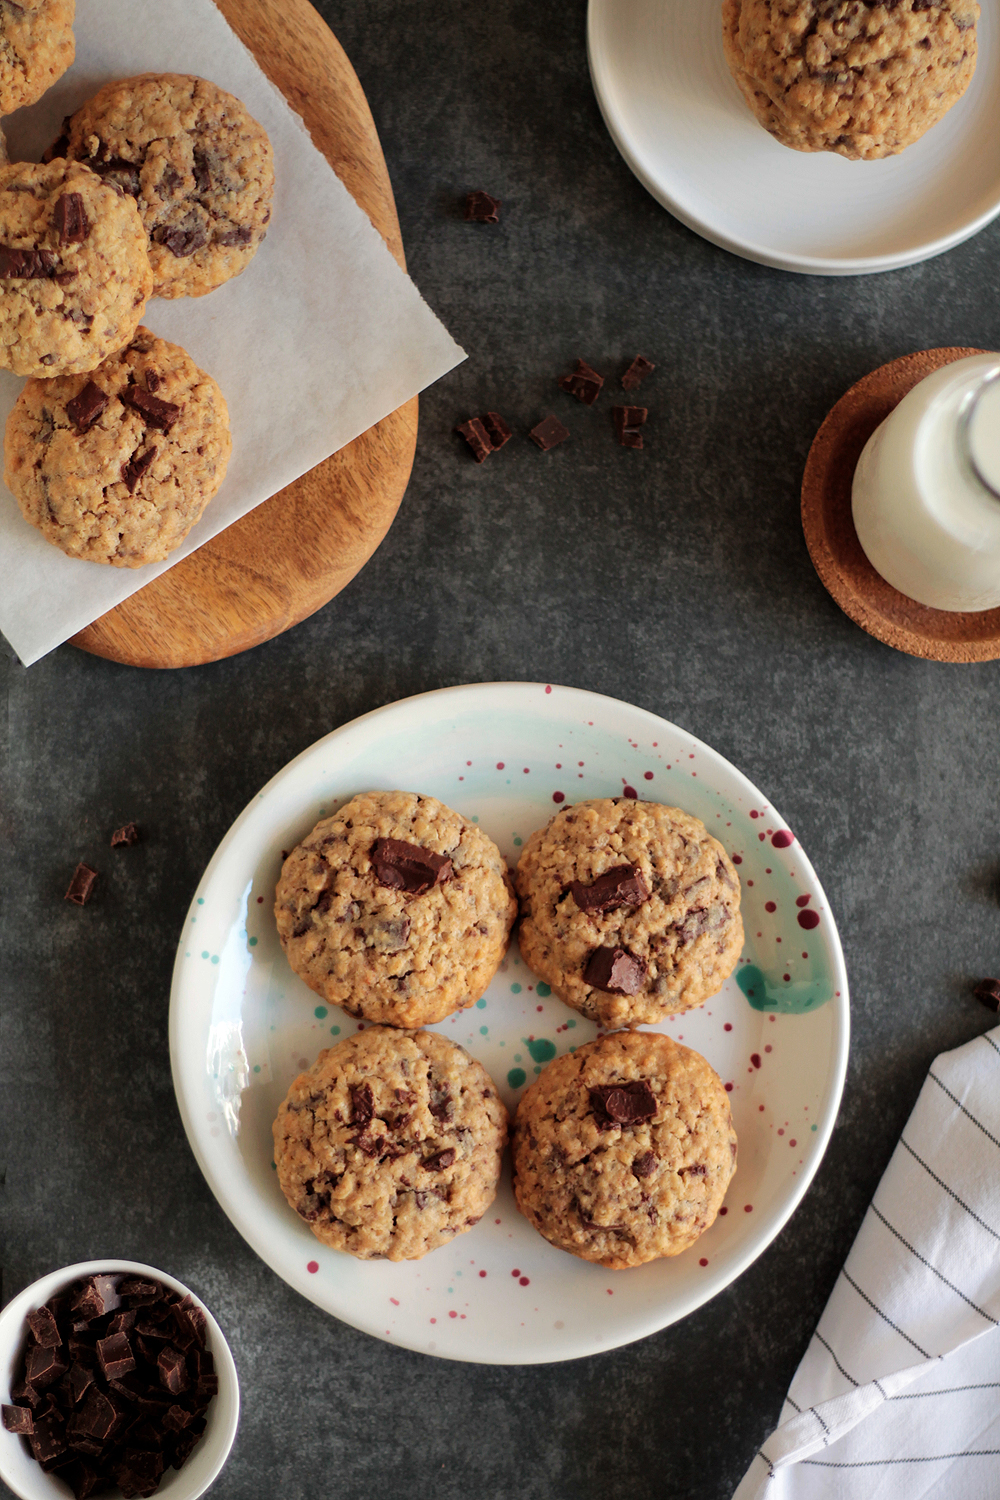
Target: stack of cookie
158, 186
400, 910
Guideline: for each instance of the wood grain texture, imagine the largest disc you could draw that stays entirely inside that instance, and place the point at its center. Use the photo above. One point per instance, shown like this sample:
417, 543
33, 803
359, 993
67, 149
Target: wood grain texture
837, 555
293, 553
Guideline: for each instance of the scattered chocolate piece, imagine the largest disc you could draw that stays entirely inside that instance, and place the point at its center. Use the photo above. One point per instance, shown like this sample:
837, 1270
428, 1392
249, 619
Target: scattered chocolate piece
159, 414
127, 834
18, 1419
70, 219
133, 471
85, 407
624, 1104
180, 242
32, 265
82, 885
497, 428
622, 886
987, 992
644, 1165
636, 373
408, 867
548, 433
440, 1161
615, 971
477, 437
585, 384
480, 208
628, 420
101, 1424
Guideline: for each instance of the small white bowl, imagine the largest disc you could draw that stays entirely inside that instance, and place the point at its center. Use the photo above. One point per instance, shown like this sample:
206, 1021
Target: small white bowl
28, 1479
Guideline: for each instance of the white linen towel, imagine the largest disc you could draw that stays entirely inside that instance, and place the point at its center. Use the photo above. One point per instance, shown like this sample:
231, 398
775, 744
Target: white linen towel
898, 1394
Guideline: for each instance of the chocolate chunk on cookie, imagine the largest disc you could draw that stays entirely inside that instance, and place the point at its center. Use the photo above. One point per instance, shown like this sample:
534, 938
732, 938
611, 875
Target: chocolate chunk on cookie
623, 1150
391, 1143
198, 166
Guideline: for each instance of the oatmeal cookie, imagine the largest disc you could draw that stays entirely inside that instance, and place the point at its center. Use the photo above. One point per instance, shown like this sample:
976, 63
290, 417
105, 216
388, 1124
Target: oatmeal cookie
36, 48
623, 1150
196, 163
116, 466
391, 1143
396, 908
863, 78
629, 910
74, 274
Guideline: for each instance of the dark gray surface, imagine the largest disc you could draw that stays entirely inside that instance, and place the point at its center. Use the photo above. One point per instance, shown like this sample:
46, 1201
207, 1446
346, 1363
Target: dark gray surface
677, 579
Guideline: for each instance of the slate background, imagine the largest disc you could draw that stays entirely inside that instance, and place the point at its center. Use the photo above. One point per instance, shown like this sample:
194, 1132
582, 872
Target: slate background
677, 579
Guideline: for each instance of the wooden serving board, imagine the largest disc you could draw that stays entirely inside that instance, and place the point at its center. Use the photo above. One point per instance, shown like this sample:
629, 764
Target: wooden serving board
293, 553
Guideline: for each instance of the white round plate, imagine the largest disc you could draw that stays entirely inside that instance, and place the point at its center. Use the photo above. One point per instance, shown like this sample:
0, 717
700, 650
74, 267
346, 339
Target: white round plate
677, 117
242, 1026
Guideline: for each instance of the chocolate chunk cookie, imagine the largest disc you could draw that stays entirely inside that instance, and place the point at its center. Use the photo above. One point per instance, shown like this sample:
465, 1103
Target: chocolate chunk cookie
116, 466
863, 78
74, 274
198, 166
391, 1143
36, 48
396, 908
629, 910
623, 1150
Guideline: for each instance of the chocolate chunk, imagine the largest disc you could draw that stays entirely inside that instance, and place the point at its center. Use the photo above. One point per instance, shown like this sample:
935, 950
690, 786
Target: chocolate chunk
31, 265
624, 1103
615, 971
622, 886
408, 867
440, 1104
636, 373
440, 1161
80, 1379
159, 414
122, 174
628, 420
362, 1104
138, 1292
98, 1416
585, 383
548, 433
241, 234
477, 437
48, 1441
153, 380
44, 1365
133, 471
70, 219
202, 176
85, 407
497, 428
480, 208
82, 885
181, 242
18, 1419
43, 1325
127, 834
172, 1370
97, 1295
987, 992
115, 1356
644, 1165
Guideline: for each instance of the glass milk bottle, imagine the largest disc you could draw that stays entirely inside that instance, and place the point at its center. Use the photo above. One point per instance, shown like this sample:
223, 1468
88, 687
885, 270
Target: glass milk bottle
926, 493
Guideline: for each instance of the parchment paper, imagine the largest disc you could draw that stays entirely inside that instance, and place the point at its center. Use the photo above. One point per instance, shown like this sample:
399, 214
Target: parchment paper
321, 336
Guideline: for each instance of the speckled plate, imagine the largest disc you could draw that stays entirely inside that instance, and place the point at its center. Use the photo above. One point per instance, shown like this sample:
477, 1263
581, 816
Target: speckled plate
242, 1026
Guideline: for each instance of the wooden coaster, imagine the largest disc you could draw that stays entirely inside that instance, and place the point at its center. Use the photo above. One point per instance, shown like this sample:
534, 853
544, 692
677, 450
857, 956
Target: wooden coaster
292, 554
863, 594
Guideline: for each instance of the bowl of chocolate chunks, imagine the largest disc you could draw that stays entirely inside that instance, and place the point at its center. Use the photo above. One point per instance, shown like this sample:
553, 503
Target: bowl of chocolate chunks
114, 1380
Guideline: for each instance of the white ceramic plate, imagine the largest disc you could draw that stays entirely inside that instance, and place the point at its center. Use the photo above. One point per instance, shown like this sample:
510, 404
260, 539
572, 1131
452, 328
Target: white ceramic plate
677, 117
242, 1026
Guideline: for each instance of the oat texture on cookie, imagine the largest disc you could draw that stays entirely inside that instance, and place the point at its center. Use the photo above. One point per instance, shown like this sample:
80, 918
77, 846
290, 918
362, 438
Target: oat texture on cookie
396, 908
863, 78
74, 273
391, 1143
116, 466
623, 1150
629, 910
197, 164
36, 48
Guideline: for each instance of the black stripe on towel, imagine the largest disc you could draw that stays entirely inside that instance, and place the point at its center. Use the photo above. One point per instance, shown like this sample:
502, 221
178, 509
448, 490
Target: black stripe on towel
885, 1317
949, 1284
950, 1191
959, 1105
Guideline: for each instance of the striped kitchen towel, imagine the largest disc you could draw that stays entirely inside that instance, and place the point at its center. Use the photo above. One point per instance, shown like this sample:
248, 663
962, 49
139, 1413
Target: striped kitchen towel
898, 1394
